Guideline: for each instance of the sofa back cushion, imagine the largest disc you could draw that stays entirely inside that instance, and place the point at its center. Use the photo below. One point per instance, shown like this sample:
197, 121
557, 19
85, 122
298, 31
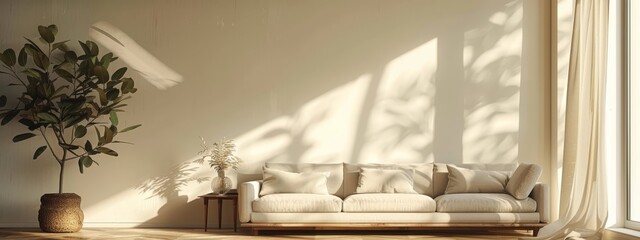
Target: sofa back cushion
277, 181
422, 177
462, 180
335, 181
373, 180
441, 173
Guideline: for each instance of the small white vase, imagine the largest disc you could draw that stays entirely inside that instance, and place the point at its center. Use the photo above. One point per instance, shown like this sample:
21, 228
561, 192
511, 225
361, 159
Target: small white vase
221, 184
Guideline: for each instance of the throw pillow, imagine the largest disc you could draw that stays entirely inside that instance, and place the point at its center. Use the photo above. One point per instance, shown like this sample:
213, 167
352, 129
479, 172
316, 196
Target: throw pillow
523, 180
374, 180
277, 181
334, 183
422, 175
462, 180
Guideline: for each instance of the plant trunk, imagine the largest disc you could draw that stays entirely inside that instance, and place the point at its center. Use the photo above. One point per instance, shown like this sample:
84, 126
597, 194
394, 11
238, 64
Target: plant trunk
61, 177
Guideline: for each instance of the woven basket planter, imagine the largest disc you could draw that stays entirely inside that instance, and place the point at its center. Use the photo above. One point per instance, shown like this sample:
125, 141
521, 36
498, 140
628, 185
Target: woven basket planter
60, 213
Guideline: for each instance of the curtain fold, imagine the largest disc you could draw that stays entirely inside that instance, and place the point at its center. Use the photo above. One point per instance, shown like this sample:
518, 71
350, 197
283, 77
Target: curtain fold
583, 202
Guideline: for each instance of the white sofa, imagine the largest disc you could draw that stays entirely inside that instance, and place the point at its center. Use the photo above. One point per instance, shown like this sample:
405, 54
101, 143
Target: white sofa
342, 208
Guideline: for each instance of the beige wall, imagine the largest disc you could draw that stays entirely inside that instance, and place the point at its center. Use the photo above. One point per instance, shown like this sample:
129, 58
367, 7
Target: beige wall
313, 81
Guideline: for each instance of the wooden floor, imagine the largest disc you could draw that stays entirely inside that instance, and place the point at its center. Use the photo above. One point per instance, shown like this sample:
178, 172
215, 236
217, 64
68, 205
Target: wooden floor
166, 233
162, 233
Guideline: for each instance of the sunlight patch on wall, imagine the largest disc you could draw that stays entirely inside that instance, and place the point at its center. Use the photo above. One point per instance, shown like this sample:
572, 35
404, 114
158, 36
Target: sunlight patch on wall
134, 55
492, 63
107, 209
322, 130
180, 185
401, 124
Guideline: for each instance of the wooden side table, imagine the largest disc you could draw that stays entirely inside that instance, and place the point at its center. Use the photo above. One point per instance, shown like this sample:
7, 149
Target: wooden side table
229, 196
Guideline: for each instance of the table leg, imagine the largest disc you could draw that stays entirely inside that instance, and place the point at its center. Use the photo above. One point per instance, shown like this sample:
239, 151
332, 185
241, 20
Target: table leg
235, 214
206, 213
220, 213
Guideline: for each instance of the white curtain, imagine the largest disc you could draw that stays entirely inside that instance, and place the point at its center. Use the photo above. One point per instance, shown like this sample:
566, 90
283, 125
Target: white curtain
583, 198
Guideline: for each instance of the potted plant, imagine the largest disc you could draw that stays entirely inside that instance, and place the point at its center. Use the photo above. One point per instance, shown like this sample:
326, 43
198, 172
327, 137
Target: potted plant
61, 95
221, 156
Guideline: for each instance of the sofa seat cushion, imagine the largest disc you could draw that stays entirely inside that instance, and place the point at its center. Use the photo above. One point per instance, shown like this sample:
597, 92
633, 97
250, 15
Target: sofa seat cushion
297, 203
389, 202
484, 202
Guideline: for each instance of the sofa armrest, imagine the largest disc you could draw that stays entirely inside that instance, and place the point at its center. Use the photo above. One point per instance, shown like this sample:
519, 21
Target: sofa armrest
248, 192
542, 196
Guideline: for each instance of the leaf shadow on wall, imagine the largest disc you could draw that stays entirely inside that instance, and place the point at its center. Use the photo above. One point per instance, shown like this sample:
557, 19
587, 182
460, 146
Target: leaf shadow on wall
170, 187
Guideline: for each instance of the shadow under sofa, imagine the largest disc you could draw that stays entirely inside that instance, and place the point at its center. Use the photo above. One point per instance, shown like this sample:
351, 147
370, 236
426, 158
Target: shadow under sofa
430, 209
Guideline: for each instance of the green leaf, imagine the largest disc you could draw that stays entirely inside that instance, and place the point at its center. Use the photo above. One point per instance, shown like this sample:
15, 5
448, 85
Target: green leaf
39, 151
88, 147
22, 57
114, 130
69, 146
53, 28
48, 117
71, 57
81, 165
113, 94
32, 72
107, 151
127, 85
118, 74
65, 74
46, 34
27, 122
99, 136
3, 101
102, 74
130, 128
41, 60
113, 116
30, 49
103, 96
80, 131
73, 121
9, 57
23, 137
10, 115
4, 59
106, 60
26, 100
46, 90
60, 45
85, 48
108, 135
34, 47
86, 161
93, 48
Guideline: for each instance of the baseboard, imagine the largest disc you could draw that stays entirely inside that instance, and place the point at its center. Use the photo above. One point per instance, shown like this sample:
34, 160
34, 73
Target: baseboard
139, 225
19, 225
117, 225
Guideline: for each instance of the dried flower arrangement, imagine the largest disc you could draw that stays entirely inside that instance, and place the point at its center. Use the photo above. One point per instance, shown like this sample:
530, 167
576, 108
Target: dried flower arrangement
220, 155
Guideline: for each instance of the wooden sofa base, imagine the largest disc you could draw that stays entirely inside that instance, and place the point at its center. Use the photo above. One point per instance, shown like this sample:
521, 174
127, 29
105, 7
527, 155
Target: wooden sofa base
257, 227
